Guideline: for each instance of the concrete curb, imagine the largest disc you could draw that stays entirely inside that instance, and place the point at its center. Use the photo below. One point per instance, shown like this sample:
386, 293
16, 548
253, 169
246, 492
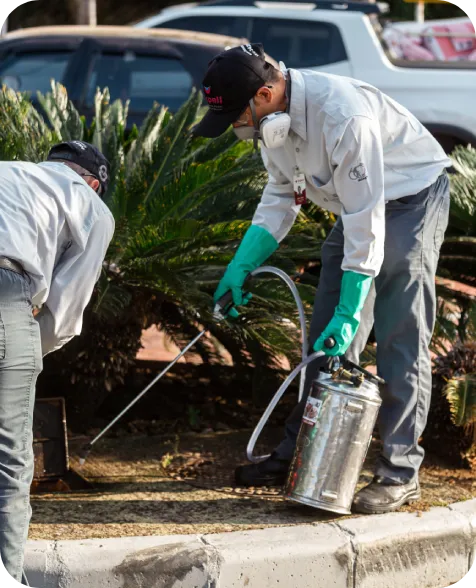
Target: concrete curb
431, 550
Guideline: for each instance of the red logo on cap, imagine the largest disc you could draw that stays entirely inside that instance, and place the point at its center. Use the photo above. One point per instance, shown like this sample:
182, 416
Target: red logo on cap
207, 90
215, 100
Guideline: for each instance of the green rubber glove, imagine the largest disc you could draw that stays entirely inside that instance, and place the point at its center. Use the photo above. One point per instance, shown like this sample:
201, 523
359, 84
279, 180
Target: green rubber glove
345, 322
255, 248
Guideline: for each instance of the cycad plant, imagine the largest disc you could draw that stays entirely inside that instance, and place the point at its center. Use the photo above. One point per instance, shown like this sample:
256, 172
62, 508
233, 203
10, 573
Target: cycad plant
461, 394
175, 199
450, 431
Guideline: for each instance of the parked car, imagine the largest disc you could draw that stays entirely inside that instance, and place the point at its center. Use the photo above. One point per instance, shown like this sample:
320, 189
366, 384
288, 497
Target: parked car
345, 38
142, 66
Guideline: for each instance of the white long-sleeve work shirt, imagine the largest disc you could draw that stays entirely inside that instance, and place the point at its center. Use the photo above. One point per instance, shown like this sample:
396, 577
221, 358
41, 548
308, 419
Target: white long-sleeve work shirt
358, 148
58, 229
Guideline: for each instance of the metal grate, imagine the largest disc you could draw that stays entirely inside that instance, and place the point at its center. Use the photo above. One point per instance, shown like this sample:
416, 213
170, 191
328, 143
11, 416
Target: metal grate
50, 441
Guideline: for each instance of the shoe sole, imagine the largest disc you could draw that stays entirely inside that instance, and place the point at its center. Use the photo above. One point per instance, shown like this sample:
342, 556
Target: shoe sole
366, 508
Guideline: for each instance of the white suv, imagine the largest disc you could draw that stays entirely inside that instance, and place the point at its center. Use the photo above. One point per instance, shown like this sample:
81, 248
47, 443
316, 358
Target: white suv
342, 38
300, 34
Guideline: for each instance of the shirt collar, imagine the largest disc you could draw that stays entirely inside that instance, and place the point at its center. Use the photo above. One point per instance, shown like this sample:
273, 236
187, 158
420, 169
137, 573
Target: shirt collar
297, 108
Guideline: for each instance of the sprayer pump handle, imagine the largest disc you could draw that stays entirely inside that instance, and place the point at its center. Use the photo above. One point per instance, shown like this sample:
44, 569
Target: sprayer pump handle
226, 301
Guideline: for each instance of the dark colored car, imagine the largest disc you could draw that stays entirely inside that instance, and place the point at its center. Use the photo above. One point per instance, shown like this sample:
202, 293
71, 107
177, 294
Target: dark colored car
140, 65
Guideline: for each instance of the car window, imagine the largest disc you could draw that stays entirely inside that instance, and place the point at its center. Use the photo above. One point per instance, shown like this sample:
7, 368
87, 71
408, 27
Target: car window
299, 43
221, 25
29, 72
142, 79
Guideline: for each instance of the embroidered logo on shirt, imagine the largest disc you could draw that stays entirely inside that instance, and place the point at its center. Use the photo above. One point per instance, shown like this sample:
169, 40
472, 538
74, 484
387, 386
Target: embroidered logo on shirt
359, 173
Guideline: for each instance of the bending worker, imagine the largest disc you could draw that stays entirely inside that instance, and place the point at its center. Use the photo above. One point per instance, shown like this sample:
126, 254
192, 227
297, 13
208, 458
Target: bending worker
54, 233
350, 149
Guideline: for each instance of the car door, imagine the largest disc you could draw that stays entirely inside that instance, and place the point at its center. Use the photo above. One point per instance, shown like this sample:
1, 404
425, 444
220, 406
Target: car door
142, 73
302, 43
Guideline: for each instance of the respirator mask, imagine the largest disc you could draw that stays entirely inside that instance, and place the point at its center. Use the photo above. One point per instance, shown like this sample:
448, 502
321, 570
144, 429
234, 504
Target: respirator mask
272, 129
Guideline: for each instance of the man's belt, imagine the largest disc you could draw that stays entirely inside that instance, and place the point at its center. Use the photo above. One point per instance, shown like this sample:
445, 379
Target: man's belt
10, 264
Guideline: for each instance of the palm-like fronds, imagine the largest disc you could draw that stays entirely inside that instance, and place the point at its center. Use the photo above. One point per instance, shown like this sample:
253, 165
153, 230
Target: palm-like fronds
62, 115
461, 394
24, 135
176, 200
452, 411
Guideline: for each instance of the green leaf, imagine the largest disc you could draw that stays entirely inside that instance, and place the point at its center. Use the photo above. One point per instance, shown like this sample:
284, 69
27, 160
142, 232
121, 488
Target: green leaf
61, 113
461, 394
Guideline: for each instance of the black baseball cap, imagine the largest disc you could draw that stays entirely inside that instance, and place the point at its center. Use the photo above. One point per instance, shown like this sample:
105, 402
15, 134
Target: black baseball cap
85, 155
232, 79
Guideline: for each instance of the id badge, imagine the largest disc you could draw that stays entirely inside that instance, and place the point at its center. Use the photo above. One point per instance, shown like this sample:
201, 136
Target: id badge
299, 181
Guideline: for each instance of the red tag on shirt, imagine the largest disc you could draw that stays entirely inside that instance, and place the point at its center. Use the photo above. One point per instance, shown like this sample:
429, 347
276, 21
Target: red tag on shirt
299, 181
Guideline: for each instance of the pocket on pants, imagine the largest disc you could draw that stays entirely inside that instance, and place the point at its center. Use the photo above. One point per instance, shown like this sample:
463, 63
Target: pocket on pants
2, 338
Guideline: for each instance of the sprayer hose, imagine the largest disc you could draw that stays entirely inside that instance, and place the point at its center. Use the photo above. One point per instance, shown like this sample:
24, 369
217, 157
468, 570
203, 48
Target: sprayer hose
306, 359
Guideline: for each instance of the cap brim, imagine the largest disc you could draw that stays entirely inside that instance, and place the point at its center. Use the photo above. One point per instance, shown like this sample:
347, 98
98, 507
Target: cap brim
214, 124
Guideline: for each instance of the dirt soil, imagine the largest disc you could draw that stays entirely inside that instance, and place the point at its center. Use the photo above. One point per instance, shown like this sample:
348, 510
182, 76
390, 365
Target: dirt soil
161, 485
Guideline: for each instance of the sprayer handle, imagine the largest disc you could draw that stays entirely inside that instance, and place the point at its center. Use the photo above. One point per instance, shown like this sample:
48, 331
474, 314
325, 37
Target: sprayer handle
225, 303
330, 342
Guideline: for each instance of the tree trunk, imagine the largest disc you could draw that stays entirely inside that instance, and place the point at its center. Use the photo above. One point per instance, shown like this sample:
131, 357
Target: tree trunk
84, 12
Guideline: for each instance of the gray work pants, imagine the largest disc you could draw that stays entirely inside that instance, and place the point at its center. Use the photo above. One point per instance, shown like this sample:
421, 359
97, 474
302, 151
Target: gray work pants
402, 302
20, 364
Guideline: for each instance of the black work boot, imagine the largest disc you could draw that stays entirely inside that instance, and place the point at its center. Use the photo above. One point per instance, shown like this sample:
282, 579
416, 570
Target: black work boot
384, 495
269, 472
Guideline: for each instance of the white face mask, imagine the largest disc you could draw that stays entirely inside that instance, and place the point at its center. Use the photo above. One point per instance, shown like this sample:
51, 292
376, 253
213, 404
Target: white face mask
274, 129
244, 133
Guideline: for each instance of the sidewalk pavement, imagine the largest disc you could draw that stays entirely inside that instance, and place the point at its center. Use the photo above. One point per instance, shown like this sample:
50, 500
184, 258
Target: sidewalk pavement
432, 549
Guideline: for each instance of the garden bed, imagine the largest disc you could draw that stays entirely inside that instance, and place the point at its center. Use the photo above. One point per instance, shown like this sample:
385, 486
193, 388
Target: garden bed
183, 484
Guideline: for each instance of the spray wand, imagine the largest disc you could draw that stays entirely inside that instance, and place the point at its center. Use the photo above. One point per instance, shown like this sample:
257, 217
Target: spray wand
220, 311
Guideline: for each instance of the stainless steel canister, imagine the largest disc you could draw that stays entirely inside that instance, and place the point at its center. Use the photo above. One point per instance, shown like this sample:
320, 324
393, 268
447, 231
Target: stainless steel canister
333, 441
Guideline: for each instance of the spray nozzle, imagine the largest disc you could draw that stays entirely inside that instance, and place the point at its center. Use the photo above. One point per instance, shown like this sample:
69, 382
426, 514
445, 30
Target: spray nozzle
84, 454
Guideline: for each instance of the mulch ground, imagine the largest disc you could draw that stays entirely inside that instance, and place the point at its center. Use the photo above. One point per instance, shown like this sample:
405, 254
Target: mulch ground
183, 484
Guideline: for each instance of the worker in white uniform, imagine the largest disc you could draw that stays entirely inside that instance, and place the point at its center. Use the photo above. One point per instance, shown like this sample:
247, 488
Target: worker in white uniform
54, 233
343, 145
